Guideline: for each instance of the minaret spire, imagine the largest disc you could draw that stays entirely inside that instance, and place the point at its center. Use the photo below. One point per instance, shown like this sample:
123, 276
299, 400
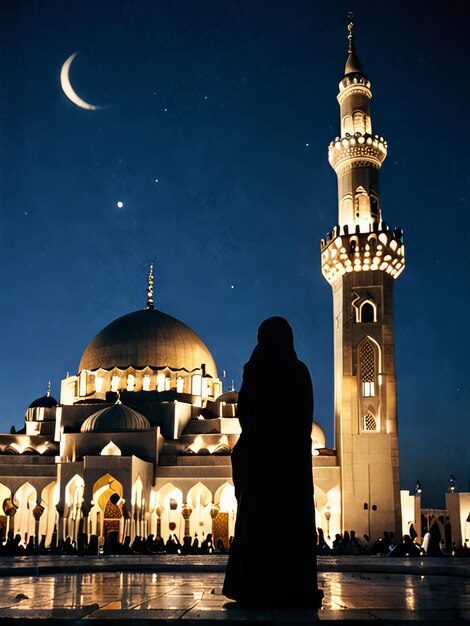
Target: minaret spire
48, 389
150, 306
353, 64
351, 34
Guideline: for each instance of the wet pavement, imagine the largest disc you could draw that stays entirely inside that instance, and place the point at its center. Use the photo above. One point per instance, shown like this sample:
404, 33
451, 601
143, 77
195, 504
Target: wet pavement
147, 597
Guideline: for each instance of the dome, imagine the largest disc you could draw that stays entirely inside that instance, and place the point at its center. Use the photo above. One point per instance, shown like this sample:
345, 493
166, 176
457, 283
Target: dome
147, 338
318, 437
46, 402
115, 419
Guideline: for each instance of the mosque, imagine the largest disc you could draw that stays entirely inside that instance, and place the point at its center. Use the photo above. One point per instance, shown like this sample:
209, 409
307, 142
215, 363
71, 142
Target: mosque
141, 437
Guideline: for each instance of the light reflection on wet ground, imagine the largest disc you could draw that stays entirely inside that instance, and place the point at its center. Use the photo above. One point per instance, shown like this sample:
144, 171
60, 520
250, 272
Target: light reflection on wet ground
191, 594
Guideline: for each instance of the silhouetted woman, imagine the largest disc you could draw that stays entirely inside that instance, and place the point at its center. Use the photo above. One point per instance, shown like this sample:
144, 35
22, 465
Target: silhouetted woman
272, 474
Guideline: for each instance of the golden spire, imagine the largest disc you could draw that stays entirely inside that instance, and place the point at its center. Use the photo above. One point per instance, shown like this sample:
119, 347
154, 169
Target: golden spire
150, 290
351, 34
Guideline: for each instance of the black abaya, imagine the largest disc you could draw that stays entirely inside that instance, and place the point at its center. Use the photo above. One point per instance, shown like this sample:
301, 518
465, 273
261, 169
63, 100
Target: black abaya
272, 560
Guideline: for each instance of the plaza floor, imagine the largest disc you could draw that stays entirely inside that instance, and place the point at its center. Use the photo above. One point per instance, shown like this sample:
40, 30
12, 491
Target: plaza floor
190, 590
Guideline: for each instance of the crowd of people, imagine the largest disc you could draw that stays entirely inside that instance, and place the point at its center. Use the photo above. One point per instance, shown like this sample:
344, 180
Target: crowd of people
432, 544
347, 544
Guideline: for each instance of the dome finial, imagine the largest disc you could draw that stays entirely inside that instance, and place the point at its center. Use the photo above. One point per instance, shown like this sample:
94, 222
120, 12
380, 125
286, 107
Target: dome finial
150, 290
353, 65
351, 34
49, 389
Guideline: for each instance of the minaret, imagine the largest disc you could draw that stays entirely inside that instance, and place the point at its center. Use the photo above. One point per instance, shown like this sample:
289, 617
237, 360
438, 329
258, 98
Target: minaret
361, 258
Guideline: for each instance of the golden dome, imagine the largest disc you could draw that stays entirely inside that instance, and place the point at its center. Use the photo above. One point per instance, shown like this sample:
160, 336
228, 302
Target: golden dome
147, 338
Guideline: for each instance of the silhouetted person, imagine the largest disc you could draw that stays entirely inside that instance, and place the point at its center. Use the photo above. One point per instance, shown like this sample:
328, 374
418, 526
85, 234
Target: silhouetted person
126, 546
344, 543
322, 547
30, 547
195, 547
272, 462
406, 548
336, 543
220, 546
93, 546
160, 544
186, 549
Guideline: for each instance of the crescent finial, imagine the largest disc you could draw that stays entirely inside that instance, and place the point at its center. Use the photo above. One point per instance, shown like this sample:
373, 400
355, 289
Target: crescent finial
350, 29
150, 289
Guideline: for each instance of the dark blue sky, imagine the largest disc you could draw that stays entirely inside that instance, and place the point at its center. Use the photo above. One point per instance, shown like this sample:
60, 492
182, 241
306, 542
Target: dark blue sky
217, 100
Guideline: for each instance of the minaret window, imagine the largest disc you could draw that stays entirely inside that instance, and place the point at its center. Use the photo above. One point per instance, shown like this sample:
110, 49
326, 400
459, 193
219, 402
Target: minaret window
348, 125
370, 423
146, 382
367, 361
367, 313
359, 122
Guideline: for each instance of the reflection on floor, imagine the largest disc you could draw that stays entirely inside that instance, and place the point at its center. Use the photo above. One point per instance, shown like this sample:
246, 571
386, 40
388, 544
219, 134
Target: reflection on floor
192, 595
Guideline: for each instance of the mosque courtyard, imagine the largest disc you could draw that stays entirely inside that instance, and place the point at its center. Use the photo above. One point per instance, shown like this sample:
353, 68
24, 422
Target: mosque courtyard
64, 590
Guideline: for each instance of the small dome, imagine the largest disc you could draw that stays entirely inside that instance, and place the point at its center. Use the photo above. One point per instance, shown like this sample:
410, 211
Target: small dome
46, 402
318, 437
147, 338
230, 397
115, 419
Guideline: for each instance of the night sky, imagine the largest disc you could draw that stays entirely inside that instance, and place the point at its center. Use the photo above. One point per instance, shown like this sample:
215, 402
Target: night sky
215, 140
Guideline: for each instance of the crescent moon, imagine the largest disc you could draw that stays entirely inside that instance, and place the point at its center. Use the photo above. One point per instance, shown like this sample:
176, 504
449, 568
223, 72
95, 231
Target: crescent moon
69, 90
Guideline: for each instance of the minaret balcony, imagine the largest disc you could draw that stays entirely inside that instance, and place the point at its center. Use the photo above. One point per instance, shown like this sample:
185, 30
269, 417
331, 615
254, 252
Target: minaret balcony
380, 250
357, 150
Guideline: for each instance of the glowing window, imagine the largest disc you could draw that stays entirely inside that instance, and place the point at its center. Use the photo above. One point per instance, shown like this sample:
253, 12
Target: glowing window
167, 383
370, 423
115, 383
367, 363
180, 384
110, 449
83, 383
161, 382
146, 382
196, 384
130, 382
99, 380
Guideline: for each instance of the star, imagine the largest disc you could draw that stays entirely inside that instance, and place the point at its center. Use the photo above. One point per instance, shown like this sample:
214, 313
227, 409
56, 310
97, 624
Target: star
120, 204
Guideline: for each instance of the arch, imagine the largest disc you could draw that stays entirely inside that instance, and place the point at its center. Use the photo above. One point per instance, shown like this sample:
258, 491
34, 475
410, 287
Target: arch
49, 517
348, 126
5, 500
111, 449
74, 490
367, 312
25, 499
102, 490
224, 514
369, 358
199, 499
169, 520
225, 498
137, 492
359, 119
369, 421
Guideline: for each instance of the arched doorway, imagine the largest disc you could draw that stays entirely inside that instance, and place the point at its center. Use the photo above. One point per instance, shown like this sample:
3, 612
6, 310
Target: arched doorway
112, 516
103, 489
223, 514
